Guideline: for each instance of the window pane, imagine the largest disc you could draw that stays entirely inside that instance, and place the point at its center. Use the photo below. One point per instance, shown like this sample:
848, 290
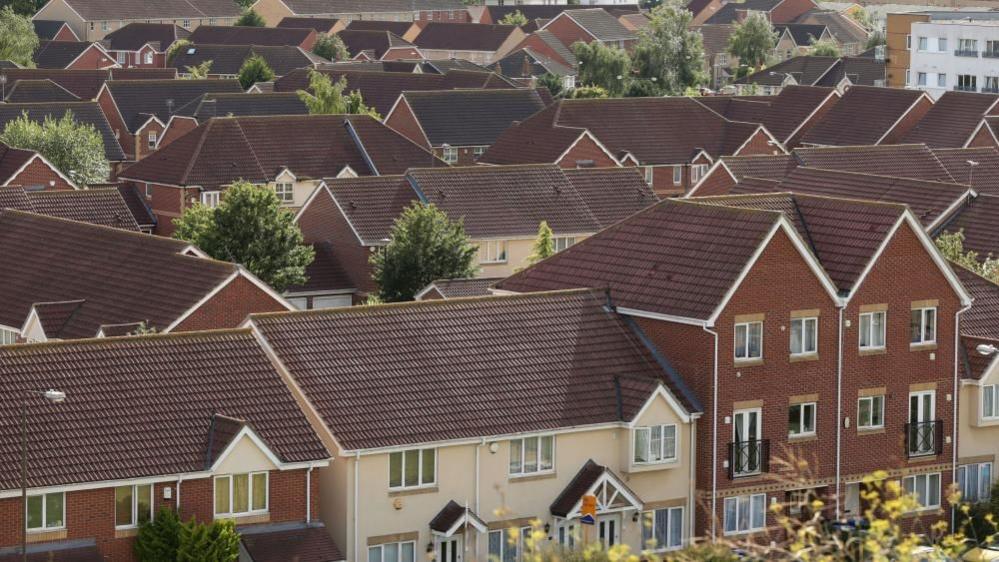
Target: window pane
864, 413
879, 329
144, 502
531, 454
808, 418
510, 545
755, 339
656, 447
123, 506
495, 544
240, 493
675, 527
794, 419
53, 510
730, 514
878, 411
390, 552
395, 471
811, 335
865, 330
759, 511
260, 491
642, 444
988, 401
743, 513
429, 466
915, 326
985, 488
796, 336
34, 512
669, 442
374, 554
740, 341
516, 456
407, 552
548, 452
933, 493
411, 468
930, 325
222, 494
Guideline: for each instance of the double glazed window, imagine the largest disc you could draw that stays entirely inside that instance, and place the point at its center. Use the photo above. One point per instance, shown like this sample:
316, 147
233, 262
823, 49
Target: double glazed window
285, 192
923, 327
804, 336
744, 514
211, 199
46, 512
505, 545
925, 488
240, 494
967, 83
748, 340
801, 419
413, 469
975, 481
563, 242
662, 529
871, 412
990, 402
532, 455
655, 444
7, 337
493, 251
450, 155
872, 330
393, 552
677, 175
133, 505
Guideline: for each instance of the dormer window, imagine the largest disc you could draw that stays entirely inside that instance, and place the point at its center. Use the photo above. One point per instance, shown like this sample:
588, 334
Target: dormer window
655, 444
241, 494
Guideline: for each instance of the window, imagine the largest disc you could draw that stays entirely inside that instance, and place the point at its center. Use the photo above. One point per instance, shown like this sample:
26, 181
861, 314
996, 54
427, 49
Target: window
677, 175
975, 481
650, 175
655, 444
921, 78
991, 84
801, 419
563, 242
151, 140
211, 21
567, 535
967, 82
908, 41
923, 43
662, 529
492, 251
505, 544
121, 57
991, 49
941, 80
133, 505
450, 154
46, 512
285, 192
923, 326
942, 44
240, 494
744, 514
697, 172
967, 46
804, 336
532, 455
478, 151
908, 76
870, 412
413, 468
210, 199
872, 330
925, 488
749, 340
187, 24
105, 26
8, 336
147, 57
393, 552
990, 402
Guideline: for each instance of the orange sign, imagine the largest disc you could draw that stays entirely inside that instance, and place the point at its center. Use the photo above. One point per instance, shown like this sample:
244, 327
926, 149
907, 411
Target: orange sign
589, 506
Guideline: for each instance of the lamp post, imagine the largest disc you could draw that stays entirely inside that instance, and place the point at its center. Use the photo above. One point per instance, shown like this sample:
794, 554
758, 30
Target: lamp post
986, 349
54, 397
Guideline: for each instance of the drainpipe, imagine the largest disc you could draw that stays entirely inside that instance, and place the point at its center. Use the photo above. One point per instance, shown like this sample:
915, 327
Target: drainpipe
478, 448
692, 486
308, 495
714, 438
839, 411
180, 479
357, 487
953, 445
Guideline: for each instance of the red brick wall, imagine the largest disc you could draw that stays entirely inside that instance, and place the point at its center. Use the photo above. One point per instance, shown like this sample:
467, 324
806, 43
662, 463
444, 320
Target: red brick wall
165, 202
404, 121
789, 10
567, 31
40, 173
535, 43
758, 143
92, 59
111, 113
808, 124
65, 34
983, 138
909, 121
401, 53
322, 221
142, 140
585, 150
230, 306
718, 182
177, 129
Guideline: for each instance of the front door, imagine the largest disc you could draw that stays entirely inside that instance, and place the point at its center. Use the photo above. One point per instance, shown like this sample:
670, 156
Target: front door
747, 432
609, 530
449, 549
922, 430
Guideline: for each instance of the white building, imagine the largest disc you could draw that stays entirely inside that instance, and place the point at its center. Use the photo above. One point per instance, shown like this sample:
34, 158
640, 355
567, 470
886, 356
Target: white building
955, 54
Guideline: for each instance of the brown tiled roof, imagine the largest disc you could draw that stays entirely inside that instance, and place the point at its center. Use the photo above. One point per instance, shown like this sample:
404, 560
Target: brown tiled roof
611, 194
375, 42
103, 207
77, 550
221, 431
730, 13
471, 117
321, 25
738, 108
451, 513
134, 36
229, 59
240, 105
120, 10
47, 29
549, 11
952, 119
249, 35
579, 485
600, 24
59, 54
537, 64
461, 288
350, 7
773, 167
862, 116
900, 160
49, 259
371, 204
56, 316
84, 84
465, 368
138, 100
715, 38
136, 204
463, 36
142, 73
157, 396
14, 198
985, 176
289, 542
88, 112
226, 149
791, 107
37, 91
11, 160
397, 27
982, 320
842, 27
977, 218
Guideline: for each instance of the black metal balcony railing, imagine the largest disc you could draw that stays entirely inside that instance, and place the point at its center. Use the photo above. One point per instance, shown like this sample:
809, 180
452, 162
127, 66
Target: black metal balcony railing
990, 89
924, 438
960, 88
990, 54
746, 458
960, 53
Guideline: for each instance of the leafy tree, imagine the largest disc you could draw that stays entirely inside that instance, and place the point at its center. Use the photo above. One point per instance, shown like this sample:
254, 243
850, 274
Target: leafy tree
176, 47
824, 48
245, 4
249, 227
951, 245
199, 72
753, 40
553, 84
862, 17
331, 47
643, 89
143, 329
514, 18
255, 69
544, 244
158, 539
589, 92
214, 542
603, 66
326, 98
18, 41
425, 245
250, 18
21, 7
669, 50
875, 39
76, 149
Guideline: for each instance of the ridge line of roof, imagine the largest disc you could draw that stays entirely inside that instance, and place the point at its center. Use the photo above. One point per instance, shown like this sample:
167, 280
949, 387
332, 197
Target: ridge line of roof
95, 341
897, 178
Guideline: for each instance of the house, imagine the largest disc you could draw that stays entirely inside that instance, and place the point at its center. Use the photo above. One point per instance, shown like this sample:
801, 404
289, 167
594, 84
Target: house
227, 60
782, 370
459, 125
954, 121
849, 35
274, 11
777, 11
546, 43
143, 45
479, 43
84, 84
795, 39
38, 91
302, 37
323, 26
720, 65
53, 30
87, 112
31, 170
840, 73
67, 280
92, 20
525, 66
399, 28
377, 45
138, 110
211, 105
588, 25
954, 54
553, 397
544, 11
101, 206
674, 140
289, 153
457, 288
501, 208
72, 55
869, 115
229, 442
701, 10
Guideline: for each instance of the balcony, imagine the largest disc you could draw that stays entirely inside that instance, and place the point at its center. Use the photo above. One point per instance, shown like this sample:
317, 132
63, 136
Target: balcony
924, 439
960, 88
990, 54
748, 458
960, 53
990, 89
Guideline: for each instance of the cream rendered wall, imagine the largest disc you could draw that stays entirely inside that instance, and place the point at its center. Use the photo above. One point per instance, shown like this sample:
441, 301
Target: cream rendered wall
273, 11
245, 457
59, 10
517, 253
977, 438
302, 189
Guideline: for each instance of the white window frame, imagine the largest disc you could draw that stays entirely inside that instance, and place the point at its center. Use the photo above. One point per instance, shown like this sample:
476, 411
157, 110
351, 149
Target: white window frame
803, 347
803, 408
920, 485
380, 548
8, 336
147, 57
922, 43
677, 175
44, 528
563, 242
121, 57
285, 192
989, 390
420, 483
506, 542
449, 154
151, 139
650, 175
983, 483
870, 330
942, 80
697, 172
920, 78
521, 444
650, 454
649, 530
748, 327
879, 400
747, 502
135, 505
924, 313
478, 151
941, 44
211, 199
494, 251
249, 496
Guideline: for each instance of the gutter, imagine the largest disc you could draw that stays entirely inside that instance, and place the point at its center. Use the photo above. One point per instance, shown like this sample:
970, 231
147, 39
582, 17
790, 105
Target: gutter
839, 412
357, 486
714, 437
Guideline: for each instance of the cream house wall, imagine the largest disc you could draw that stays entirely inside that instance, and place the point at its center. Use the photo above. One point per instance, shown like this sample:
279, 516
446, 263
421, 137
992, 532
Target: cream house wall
518, 251
59, 10
977, 438
273, 11
245, 456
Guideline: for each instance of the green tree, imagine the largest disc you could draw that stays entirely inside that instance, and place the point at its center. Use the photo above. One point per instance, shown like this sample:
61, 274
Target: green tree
255, 69
21, 7
250, 18
951, 245
245, 4
589, 92
643, 89
424, 245
669, 50
18, 41
753, 40
176, 47
76, 149
514, 18
199, 72
331, 47
603, 66
327, 98
875, 39
544, 244
552, 83
158, 539
249, 227
214, 542
824, 48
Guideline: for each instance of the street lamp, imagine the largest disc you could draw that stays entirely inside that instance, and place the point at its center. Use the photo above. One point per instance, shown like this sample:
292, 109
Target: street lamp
54, 397
986, 349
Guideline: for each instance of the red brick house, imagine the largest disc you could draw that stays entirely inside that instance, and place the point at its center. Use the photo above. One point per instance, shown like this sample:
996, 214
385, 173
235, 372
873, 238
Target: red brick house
102, 206
69, 280
954, 120
29, 169
868, 115
54, 30
847, 362
302, 37
777, 11
369, 45
72, 55
588, 25
143, 45
228, 441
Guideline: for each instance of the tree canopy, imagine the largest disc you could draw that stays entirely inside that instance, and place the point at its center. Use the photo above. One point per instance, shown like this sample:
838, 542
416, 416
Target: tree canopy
251, 18
514, 18
199, 72
255, 69
544, 244
951, 245
331, 47
603, 66
76, 149
753, 40
249, 227
325, 97
824, 48
18, 41
669, 50
553, 84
